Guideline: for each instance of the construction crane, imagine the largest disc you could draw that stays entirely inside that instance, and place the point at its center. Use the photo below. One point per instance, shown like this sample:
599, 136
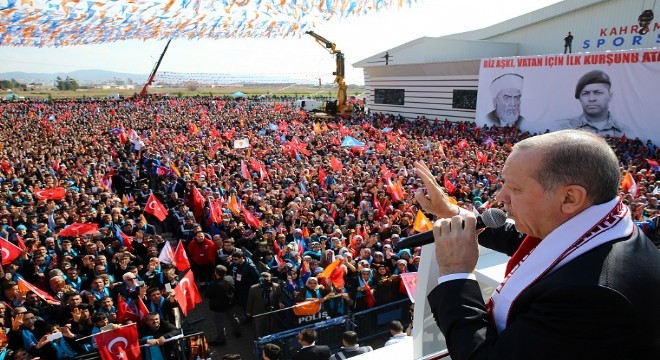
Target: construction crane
152, 76
341, 108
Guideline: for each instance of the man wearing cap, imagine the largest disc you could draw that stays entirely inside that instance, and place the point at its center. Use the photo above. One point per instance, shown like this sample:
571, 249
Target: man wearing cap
506, 91
593, 90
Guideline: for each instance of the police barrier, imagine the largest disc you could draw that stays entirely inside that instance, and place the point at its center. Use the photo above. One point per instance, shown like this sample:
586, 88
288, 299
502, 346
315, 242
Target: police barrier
368, 324
374, 322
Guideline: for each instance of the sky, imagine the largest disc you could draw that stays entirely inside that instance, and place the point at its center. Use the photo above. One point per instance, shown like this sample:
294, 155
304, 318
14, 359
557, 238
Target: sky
357, 37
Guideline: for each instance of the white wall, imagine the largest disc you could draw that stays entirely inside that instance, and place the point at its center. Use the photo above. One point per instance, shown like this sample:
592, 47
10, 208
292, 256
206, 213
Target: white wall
428, 88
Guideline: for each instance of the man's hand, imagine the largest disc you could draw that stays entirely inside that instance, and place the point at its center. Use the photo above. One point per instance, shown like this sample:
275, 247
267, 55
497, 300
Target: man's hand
66, 332
76, 314
16, 322
435, 201
456, 247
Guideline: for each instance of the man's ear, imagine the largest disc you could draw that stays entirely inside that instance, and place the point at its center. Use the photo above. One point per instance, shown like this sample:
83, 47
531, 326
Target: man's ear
574, 199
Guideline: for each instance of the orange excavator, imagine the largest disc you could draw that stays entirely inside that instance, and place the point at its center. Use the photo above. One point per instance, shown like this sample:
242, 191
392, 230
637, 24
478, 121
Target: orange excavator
340, 107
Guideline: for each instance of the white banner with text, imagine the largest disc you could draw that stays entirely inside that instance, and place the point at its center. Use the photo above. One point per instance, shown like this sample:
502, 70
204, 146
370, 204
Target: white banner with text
610, 93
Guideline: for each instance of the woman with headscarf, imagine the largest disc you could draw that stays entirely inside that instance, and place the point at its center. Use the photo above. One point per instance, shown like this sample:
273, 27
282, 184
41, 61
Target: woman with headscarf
386, 286
362, 290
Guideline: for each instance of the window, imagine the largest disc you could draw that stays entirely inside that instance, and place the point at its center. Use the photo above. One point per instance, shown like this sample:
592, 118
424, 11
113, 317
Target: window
464, 99
389, 96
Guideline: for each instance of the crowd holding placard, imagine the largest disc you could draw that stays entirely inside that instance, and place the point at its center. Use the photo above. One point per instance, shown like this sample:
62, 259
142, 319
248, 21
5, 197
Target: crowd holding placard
93, 190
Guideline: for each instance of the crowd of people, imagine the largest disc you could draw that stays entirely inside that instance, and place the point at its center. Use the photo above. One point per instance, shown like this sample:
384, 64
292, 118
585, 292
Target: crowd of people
262, 197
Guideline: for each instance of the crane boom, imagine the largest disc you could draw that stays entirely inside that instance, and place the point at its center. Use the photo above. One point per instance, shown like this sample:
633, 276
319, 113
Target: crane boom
342, 108
143, 93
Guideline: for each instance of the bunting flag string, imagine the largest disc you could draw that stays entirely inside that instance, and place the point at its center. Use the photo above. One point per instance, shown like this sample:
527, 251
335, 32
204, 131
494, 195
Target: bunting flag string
40, 23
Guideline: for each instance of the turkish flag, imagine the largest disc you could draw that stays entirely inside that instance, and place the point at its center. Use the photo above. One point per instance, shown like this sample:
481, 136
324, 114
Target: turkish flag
187, 294
216, 210
142, 308
21, 244
244, 170
449, 186
155, 208
335, 164
369, 295
50, 194
481, 157
79, 229
250, 219
119, 344
180, 258
9, 251
124, 312
198, 201
322, 177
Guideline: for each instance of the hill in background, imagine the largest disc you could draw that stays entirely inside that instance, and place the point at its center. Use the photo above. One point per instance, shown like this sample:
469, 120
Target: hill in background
91, 76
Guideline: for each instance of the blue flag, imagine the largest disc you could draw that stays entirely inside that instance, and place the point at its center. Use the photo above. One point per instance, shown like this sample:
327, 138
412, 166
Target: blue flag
350, 141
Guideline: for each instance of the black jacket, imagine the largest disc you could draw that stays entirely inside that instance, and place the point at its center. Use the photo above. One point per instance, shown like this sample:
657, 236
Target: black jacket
601, 305
220, 294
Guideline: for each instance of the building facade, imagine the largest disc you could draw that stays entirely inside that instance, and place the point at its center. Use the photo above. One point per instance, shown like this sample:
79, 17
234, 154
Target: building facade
438, 77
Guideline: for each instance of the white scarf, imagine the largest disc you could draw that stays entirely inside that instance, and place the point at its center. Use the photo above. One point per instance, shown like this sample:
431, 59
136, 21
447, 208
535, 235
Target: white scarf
560, 247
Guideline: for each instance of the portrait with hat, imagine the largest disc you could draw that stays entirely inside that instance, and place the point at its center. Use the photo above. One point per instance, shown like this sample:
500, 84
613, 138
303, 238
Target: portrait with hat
506, 92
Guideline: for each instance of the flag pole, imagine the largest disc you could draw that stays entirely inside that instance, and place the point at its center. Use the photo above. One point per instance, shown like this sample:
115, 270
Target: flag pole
298, 304
105, 331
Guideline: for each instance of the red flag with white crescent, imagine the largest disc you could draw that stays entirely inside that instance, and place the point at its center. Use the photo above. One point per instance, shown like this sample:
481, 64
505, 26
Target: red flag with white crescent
79, 229
250, 219
9, 251
119, 344
187, 294
155, 208
50, 194
124, 312
216, 210
322, 177
181, 258
335, 164
244, 171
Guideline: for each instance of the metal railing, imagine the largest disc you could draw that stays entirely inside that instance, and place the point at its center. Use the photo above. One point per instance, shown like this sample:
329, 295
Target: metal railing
367, 323
187, 347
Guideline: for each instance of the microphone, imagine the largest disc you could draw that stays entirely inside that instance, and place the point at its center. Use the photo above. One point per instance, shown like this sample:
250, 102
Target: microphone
491, 218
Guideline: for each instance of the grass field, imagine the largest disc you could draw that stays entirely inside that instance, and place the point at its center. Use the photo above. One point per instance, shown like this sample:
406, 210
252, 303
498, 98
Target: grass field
249, 90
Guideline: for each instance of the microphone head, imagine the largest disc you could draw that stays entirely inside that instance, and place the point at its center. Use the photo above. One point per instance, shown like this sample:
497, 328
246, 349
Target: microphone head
493, 218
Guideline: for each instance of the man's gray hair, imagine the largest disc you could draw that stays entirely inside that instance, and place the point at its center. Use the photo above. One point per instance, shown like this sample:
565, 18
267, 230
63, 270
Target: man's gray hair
576, 157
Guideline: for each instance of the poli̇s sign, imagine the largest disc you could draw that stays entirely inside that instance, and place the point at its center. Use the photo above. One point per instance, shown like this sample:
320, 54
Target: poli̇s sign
310, 319
622, 37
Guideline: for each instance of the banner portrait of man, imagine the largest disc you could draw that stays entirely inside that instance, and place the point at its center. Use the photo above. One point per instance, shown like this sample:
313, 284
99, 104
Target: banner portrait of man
594, 91
506, 91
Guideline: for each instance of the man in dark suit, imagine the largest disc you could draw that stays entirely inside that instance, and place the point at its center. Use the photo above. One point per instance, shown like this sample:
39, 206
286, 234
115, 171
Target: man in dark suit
309, 349
583, 280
